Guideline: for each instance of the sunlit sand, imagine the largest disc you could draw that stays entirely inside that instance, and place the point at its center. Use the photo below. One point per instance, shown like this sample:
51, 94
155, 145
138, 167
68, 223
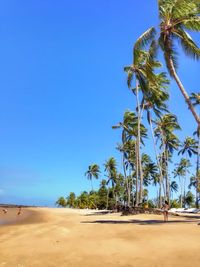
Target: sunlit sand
76, 238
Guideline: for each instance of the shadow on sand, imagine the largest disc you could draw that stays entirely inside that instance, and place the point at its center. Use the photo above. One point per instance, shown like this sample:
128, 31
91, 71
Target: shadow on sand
104, 212
140, 222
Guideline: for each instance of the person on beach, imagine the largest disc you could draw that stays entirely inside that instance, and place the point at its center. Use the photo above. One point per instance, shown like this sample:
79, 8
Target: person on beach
5, 211
165, 210
19, 211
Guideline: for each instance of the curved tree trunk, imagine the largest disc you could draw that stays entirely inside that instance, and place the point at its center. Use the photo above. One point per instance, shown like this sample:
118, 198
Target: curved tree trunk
183, 91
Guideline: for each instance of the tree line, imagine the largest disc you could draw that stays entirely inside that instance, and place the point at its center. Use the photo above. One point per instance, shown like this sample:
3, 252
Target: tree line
149, 84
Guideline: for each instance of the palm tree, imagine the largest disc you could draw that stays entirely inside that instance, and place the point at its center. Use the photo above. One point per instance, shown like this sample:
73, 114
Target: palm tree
129, 127
150, 169
61, 202
176, 17
169, 142
189, 147
181, 170
111, 169
93, 171
189, 199
173, 187
154, 100
141, 69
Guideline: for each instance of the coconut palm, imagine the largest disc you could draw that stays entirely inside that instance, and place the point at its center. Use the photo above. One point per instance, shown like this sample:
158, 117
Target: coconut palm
93, 171
176, 17
154, 101
150, 169
129, 127
180, 171
61, 202
142, 70
173, 187
189, 147
189, 199
169, 142
111, 169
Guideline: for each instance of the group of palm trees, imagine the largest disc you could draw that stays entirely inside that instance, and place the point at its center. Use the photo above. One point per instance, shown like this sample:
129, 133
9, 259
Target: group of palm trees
149, 85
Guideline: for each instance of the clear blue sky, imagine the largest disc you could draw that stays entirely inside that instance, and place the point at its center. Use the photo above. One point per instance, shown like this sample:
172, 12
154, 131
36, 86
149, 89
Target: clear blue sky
62, 88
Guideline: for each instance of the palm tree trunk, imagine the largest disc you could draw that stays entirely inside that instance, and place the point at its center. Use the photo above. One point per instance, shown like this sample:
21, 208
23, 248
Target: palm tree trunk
107, 199
138, 146
183, 91
137, 174
158, 163
184, 195
181, 196
167, 177
126, 181
91, 184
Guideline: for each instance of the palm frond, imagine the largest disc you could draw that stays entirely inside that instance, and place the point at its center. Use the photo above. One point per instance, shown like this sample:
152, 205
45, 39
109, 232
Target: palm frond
184, 8
192, 24
188, 45
145, 39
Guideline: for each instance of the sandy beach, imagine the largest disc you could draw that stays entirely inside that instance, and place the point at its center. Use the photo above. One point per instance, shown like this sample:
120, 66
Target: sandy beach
50, 237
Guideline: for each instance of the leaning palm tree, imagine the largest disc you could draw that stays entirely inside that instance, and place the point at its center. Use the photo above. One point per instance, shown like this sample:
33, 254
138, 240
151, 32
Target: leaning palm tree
176, 17
93, 171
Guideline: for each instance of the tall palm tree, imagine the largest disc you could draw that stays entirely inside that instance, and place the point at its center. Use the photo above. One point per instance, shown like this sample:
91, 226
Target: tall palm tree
141, 70
176, 17
190, 147
111, 169
93, 171
129, 127
180, 171
154, 100
169, 142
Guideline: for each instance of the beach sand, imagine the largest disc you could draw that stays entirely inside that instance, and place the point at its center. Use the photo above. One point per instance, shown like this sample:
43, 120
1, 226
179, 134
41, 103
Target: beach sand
48, 237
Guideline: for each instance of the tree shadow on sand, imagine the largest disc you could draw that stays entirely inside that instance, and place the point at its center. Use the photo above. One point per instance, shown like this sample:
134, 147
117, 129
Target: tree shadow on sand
95, 213
140, 222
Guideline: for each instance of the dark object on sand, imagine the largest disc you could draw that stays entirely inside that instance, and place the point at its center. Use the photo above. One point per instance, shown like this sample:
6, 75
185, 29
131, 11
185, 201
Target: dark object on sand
140, 210
19, 211
4, 211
